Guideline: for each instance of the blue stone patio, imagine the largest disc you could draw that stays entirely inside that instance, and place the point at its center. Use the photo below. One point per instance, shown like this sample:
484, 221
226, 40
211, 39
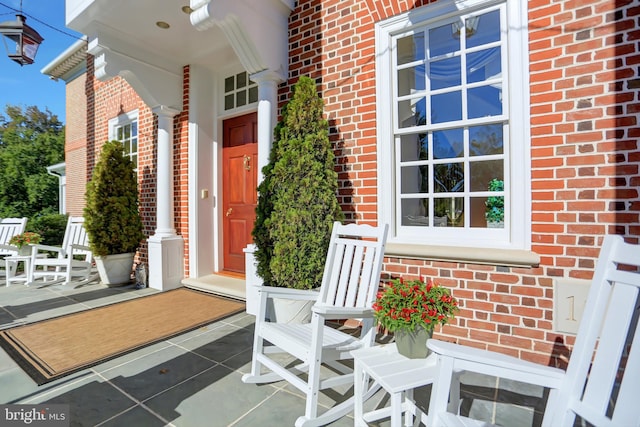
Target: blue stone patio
194, 379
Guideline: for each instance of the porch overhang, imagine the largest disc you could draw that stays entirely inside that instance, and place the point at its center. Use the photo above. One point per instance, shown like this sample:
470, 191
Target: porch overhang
148, 42
257, 31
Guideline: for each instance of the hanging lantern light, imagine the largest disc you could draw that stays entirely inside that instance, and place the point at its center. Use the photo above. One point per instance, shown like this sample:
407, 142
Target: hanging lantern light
20, 40
470, 26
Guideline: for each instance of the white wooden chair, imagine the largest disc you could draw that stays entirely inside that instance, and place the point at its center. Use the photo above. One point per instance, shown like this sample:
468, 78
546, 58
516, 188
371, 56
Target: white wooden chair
72, 260
602, 381
9, 227
349, 287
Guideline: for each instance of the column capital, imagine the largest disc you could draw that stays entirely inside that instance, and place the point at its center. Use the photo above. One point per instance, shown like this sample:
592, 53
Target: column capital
268, 76
163, 110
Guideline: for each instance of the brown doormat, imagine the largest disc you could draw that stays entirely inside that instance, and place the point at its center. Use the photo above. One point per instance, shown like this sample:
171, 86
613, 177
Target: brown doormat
50, 349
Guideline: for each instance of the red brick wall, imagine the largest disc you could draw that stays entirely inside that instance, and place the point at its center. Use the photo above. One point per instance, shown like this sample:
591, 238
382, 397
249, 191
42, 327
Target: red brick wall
584, 109
75, 147
181, 169
106, 101
584, 158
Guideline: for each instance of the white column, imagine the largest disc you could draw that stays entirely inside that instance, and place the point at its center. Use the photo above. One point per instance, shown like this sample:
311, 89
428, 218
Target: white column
267, 113
164, 172
166, 249
267, 118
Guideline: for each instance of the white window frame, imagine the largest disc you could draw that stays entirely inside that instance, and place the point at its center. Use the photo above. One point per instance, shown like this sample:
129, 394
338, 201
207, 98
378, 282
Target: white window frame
123, 120
246, 89
516, 233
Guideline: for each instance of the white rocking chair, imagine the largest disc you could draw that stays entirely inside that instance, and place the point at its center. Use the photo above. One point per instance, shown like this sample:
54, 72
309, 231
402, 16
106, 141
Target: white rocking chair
602, 381
72, 260
9, 227
349, 287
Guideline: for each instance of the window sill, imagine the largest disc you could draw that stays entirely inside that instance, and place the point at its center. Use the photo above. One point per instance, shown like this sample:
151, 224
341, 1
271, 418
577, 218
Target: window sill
502, 257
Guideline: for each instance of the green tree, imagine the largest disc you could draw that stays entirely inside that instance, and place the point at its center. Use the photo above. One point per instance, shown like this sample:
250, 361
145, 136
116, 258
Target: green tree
298, 201
30, 140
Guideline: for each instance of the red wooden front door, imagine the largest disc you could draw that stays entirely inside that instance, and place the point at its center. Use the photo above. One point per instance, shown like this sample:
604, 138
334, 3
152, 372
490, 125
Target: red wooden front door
239, 192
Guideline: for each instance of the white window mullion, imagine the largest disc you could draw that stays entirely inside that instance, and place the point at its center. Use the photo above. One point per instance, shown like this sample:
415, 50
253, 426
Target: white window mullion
124, 128
484, 99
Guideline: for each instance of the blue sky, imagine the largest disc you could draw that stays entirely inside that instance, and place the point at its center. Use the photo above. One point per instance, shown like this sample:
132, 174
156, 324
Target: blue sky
26, 86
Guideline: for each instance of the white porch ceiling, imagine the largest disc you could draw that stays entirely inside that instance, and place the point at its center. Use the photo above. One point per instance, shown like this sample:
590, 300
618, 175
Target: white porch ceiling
131, 28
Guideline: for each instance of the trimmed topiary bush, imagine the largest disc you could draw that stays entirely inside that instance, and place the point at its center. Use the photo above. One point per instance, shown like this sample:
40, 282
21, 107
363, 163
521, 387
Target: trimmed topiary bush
298, 201
111, 215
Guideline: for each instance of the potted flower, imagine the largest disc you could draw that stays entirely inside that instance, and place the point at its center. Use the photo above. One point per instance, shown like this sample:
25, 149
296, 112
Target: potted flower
494, 212
22, 241
411, 309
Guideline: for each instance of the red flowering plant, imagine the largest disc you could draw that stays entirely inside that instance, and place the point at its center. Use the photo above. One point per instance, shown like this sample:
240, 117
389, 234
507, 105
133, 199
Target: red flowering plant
26, 238
410, 304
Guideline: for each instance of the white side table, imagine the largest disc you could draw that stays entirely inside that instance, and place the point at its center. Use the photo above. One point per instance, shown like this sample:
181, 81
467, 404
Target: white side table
398, 376
12, 269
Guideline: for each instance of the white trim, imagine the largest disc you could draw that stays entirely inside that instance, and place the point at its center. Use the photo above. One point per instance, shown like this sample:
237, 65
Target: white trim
519, 77
124, 120
248, 107
59, 170
194, 186
121, 120
69, 64
517, 231
201, 154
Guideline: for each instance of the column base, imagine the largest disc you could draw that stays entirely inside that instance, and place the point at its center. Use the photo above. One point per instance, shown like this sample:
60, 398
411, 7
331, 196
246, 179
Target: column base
252, 280
166, 262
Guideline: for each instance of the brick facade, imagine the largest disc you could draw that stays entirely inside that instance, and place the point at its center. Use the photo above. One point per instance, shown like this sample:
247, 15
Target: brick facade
584, 101
106, 101
181, 169
584, 109
75, 149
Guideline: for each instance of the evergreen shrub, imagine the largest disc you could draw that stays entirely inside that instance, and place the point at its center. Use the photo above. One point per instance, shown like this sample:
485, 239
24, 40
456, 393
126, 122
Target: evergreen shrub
111, 214
298, 201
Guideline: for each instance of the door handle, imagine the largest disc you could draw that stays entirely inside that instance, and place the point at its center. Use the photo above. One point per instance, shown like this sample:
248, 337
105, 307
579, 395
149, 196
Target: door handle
247, 160
229, 211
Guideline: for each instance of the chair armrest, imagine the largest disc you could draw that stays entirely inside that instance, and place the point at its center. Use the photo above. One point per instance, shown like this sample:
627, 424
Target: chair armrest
497, 364
330, 312
36, 248
287, 293
9, 248
76, 247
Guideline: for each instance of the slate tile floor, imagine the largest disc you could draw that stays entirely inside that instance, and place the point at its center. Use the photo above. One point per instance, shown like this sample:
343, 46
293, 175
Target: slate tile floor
192, 380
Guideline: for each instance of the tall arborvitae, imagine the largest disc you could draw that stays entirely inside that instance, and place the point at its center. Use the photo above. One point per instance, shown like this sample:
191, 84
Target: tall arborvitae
298, 195
260, 233
111, 215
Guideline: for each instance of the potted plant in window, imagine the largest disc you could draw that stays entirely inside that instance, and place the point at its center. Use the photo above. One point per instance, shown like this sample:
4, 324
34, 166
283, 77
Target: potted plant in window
298, 202
494, 212
111, 215
411, 309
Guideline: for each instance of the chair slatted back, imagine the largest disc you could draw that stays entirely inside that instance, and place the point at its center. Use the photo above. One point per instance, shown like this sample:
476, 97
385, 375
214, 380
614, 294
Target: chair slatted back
603, 375
75, 234
10, 227
354, 261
